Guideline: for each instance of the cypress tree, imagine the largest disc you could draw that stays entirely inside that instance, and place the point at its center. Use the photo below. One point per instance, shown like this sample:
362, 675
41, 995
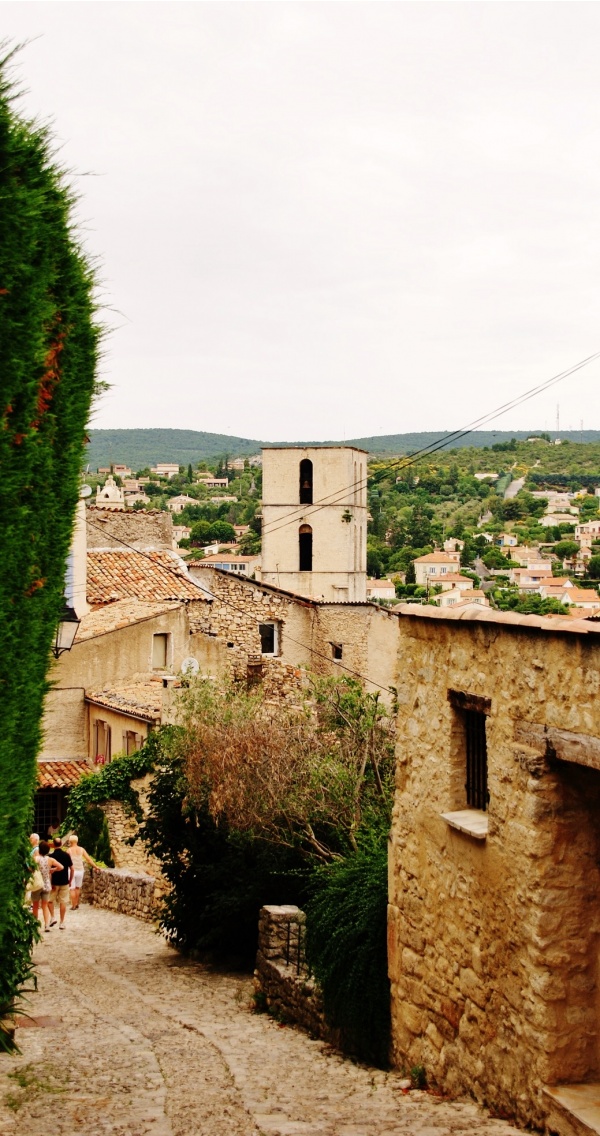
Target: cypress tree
48, 356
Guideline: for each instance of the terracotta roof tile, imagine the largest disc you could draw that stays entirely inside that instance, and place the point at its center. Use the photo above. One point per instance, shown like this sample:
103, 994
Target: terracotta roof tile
139, 699
117, 574
61, 774
122, 613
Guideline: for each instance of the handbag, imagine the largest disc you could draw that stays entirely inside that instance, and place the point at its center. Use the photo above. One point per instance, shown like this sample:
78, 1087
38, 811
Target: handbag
36, 881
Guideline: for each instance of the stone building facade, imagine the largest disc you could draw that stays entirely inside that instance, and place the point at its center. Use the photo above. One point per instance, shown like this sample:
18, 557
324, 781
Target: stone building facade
109, 528
494, 916
314, 527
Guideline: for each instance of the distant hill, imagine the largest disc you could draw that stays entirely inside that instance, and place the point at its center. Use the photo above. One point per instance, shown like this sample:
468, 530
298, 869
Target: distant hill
140, 448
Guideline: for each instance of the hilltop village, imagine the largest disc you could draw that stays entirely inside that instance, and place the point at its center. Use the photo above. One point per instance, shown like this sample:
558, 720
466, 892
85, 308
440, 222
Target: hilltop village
464, 593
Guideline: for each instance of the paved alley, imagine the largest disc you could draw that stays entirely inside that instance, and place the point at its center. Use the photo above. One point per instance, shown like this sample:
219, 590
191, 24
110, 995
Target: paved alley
131, 1039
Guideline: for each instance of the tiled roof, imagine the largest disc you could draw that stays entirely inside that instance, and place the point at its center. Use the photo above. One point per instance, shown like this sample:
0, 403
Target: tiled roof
122, 613
117, 574
138, 699
437, 558
61, 774
480, 614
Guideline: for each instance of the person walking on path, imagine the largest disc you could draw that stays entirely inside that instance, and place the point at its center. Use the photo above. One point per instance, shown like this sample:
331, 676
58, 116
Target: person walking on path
78, 855
47, 865
61, 881
35, 886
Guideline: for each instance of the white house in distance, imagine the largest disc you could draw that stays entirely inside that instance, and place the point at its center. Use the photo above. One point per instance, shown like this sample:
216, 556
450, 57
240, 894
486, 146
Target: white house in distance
178, 504
211, 482
434, 566
166, 469
314, 528
381, 590
227, 562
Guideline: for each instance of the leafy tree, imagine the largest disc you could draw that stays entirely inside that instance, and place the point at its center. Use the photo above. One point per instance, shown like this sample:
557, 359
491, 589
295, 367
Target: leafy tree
190, 473
565, 549
48, 348
495, 559
593, 568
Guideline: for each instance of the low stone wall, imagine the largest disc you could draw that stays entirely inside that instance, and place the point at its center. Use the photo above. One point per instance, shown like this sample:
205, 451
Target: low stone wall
117, 889
281, 974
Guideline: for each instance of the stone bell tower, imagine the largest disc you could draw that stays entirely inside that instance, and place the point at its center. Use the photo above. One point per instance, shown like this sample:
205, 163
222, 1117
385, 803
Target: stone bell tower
314, 509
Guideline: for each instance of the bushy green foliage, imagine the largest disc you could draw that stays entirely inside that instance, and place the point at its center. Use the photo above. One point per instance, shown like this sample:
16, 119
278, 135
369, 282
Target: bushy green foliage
347, 947
111, 783
205, 532
48, 347
220, 879
94, 836
565, 549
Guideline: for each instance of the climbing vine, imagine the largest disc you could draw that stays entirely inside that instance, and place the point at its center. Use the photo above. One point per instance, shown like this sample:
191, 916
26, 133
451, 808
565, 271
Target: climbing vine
113, 783
48, 357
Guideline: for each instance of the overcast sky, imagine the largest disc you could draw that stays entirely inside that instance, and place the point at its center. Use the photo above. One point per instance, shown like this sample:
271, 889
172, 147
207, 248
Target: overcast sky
327, 220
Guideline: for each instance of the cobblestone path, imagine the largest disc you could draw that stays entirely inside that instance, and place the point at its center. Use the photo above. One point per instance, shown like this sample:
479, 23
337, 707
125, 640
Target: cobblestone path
133, 1040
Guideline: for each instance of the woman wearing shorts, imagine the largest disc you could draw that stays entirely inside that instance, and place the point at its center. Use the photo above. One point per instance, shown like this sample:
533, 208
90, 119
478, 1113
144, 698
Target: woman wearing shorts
78, 855
47, 865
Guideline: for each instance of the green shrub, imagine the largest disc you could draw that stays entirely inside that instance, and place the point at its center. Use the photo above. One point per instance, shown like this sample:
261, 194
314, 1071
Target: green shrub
347, 948
219, 879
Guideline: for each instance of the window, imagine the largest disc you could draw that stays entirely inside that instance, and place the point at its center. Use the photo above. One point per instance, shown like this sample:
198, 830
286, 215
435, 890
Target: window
101, 742
443, 571
306, 482
337, 650
131, 741
470, 750
269, 638
159, 651
305, 540
476, 755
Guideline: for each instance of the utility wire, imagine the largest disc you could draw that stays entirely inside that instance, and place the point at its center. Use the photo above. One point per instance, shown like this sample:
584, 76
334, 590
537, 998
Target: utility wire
206, 591
430, 448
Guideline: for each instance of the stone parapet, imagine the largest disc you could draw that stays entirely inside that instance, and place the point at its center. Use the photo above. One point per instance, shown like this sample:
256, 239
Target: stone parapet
281, 976
117, 889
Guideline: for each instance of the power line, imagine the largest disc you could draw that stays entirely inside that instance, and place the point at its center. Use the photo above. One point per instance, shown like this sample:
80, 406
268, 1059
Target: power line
433, 447
179, 576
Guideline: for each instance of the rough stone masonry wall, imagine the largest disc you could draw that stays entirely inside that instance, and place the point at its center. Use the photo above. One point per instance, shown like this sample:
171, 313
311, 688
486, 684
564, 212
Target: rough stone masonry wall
117, 889
494, 944
234, 616
281, 975
107, 528
129, 854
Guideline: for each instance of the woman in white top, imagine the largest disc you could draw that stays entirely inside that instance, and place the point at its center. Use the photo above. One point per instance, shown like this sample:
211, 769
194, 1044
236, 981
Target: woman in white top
78, 855
47, 865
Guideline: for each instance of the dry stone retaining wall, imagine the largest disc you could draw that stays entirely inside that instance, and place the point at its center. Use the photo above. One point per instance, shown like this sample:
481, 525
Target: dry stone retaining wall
117, 889
281, 974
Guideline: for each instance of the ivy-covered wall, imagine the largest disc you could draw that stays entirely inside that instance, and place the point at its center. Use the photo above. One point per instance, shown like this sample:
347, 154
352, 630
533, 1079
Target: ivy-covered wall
48, 355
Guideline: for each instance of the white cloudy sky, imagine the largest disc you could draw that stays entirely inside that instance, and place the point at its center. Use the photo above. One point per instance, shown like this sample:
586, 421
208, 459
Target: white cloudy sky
332, 219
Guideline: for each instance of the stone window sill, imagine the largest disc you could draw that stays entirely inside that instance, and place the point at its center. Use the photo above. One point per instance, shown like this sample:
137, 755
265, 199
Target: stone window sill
473, 822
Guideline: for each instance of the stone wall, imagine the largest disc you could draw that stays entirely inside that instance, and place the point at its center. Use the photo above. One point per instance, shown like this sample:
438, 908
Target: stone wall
367, 634
494, 940
146, 528
128, 853
281, 975
119, 889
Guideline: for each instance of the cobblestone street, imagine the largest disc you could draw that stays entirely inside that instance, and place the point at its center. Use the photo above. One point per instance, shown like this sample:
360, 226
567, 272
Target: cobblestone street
134, 1040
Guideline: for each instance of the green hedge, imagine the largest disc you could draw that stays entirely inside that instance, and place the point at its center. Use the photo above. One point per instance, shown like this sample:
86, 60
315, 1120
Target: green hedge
48, 353
346, 943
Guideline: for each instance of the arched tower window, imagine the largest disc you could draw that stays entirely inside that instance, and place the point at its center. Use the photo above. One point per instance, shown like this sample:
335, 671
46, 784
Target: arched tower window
305, 548
306, 482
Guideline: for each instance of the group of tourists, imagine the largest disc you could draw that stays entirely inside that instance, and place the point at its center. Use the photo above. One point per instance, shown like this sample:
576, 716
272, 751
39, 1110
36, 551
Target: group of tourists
56, 877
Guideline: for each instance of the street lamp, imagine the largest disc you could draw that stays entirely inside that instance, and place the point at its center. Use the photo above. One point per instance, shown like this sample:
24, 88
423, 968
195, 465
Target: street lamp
66, 631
